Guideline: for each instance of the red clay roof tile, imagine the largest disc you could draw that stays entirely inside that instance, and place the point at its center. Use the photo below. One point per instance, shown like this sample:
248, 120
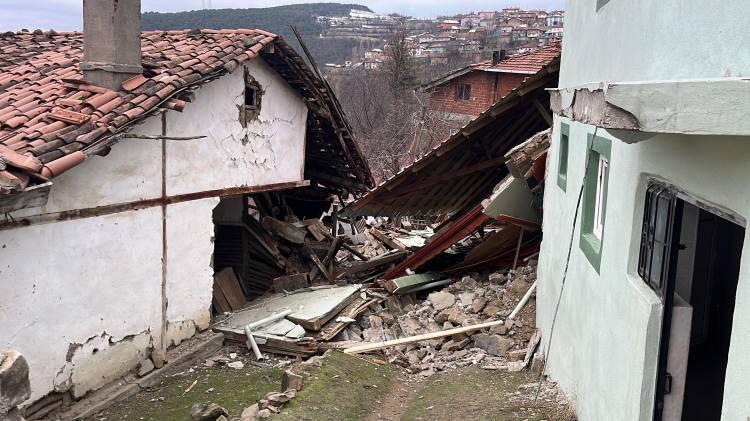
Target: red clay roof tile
48, 110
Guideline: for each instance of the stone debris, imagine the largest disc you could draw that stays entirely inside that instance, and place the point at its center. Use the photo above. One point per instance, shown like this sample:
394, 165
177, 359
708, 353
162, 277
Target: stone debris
15, 386
290, 380
207, 412
144, 367
476, 298
237, 365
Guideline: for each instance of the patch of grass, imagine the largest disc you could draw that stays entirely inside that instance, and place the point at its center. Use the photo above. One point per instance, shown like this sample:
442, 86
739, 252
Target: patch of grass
233, 389
477, 394
344, 388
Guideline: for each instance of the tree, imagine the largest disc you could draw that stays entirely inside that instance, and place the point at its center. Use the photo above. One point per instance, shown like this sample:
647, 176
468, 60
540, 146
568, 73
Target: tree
399, 64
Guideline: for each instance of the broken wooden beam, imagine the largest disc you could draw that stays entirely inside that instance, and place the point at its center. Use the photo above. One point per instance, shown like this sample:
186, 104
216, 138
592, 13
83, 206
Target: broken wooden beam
376, 262
375, 346
393, 244
290, 283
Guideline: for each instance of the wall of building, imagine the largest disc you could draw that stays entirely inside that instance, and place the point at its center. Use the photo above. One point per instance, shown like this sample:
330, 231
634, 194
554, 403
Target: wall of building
486, 89
82, 299
605, 341
645, 40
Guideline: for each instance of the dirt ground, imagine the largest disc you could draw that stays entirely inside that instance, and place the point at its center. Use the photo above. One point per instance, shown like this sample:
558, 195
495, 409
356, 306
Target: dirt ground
344, 387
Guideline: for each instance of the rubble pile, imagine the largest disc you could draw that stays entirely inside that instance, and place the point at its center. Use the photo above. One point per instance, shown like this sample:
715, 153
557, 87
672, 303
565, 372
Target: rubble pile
475, 299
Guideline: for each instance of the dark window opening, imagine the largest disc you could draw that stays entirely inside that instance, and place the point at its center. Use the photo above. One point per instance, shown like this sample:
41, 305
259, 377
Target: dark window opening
464, 92
252, 94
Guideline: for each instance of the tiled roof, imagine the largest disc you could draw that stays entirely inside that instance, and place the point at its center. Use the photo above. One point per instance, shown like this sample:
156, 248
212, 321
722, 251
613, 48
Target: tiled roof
527, 63
49, 116
530, 62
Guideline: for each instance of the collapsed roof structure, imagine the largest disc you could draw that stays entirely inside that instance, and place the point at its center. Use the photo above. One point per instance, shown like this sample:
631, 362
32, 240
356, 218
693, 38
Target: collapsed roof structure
462, 171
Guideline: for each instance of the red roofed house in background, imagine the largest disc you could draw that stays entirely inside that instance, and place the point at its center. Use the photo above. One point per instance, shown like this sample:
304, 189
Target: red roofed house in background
465, 93
116, 148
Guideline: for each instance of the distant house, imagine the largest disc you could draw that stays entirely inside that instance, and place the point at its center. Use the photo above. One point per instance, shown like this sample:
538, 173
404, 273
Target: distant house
463, 94
643, 286
116, 147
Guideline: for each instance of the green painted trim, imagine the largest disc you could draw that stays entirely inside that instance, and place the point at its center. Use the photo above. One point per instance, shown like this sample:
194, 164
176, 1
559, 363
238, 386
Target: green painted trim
562, 160
589, 244
600, 4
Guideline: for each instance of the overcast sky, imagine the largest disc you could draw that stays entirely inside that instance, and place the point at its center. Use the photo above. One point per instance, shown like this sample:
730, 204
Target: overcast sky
65, 15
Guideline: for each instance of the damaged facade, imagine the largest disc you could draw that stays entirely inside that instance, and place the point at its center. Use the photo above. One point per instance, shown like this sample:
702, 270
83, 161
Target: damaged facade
649, 153
109, 183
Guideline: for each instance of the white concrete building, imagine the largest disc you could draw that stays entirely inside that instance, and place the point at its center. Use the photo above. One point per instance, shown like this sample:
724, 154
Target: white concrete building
646, 174
107, 190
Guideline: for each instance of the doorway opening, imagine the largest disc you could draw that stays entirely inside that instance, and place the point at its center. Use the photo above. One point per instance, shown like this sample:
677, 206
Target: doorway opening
691, 257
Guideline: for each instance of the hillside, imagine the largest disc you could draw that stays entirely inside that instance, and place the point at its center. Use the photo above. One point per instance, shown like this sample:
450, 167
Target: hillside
273, 19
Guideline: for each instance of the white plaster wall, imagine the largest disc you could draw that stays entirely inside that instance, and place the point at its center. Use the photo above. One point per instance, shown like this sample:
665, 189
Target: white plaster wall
71, 287
130, 172
638, 40
605, 341
190, 245
270, 150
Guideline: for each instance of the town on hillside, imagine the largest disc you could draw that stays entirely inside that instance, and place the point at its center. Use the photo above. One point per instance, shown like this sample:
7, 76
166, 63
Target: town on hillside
472, 36
319, 212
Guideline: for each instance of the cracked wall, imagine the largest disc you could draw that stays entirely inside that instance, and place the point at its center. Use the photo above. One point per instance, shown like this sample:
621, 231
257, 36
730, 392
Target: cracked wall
271, 149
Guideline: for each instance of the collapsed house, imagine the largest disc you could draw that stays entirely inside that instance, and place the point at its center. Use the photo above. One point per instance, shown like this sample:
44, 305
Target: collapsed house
122, 154
449, 184
646, 259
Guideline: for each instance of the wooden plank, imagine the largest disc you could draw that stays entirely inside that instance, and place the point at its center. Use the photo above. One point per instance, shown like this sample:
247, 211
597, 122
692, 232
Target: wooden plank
394, 245
374, 346
354, 309
319, 265
284, 230
354, 251
290, 282
317, 228
230, 287
374, 263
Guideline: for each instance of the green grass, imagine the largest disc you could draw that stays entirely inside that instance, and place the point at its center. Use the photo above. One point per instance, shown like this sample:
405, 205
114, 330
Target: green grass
233, 389
344, 388
477, 394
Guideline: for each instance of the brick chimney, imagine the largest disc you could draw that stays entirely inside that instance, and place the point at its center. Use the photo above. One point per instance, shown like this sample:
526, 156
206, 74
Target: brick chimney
111, 41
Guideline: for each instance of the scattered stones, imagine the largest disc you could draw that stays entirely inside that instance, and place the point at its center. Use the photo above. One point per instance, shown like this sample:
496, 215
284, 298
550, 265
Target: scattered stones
499, 330
237, 365
264, 413
207, 412
478, 304
498, 278
474, 299
441, 300
144, 367
519, 286
250, 413
491, 310
494, 344
466, 298
290, 380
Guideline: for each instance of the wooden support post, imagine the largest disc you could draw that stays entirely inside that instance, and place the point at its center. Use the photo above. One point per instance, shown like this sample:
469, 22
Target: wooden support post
335, 221
518, 248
